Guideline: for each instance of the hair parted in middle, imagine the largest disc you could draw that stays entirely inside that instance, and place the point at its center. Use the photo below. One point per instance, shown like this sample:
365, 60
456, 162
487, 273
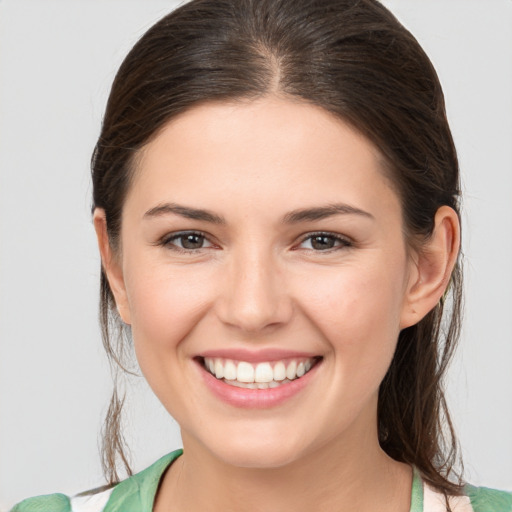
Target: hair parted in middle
356, 61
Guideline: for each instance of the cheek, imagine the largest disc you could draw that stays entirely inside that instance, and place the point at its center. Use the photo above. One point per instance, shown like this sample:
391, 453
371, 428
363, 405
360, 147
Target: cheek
358, 312
351, 296
165, 304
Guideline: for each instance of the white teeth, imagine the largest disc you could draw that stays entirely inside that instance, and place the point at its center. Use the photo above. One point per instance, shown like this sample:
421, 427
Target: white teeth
291, 370
230, 372
263, 373
236, 383
279, 371
254, 385
219, 369
244, 372
257, 376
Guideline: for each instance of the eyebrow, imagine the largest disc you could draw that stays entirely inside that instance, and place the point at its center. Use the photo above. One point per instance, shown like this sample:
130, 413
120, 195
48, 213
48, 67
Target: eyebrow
323, 212
184, 211
293, 217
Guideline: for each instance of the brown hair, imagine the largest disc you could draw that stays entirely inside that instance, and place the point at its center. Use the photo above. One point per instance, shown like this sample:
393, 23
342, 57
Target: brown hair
355, 60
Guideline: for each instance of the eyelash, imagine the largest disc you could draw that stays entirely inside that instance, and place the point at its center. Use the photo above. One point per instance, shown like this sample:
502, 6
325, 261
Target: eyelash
166, 241
343, 242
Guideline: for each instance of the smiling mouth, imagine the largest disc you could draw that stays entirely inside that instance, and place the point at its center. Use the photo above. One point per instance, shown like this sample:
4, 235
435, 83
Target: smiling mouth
263, 375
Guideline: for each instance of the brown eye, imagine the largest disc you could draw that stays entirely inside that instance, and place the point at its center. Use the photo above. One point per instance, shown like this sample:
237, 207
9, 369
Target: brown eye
186, 241
192, 241
324, 242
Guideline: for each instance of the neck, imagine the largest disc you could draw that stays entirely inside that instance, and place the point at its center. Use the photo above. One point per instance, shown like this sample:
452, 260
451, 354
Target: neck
341, 475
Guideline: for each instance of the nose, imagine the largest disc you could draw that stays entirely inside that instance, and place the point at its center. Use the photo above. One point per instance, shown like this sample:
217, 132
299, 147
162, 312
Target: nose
253, 295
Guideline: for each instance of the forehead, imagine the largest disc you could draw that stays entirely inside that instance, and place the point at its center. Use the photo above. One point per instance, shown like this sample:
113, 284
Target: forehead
265, 152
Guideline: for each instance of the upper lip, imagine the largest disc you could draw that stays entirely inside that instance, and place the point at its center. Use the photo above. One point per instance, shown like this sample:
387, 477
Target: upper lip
256, 356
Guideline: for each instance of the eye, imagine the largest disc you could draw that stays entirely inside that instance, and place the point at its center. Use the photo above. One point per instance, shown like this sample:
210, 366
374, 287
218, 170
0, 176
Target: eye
186, 241
324, 242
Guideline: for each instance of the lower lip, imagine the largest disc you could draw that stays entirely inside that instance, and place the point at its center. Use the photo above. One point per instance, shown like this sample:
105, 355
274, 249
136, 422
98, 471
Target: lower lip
256, 398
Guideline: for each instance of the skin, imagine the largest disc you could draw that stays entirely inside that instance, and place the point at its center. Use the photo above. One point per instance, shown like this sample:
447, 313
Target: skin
258, 282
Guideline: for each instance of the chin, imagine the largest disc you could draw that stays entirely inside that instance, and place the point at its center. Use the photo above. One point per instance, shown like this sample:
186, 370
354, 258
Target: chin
249, 451
258, 459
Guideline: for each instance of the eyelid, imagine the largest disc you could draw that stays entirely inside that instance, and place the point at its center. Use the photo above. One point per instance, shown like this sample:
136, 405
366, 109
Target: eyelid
345, 241
165, 241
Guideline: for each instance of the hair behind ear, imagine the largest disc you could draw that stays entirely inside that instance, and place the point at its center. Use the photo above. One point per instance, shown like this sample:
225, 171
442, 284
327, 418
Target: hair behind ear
414, 422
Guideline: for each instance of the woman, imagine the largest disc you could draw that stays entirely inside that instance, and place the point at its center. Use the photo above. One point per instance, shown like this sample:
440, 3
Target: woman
276, 199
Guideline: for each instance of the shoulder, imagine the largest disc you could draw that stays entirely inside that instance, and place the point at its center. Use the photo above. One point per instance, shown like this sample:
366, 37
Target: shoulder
489, 500
474, 499
92, 501
51, 502
134, 494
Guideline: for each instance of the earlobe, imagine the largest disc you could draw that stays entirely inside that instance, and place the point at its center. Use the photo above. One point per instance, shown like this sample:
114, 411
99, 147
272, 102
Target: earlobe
433, 266
111, 266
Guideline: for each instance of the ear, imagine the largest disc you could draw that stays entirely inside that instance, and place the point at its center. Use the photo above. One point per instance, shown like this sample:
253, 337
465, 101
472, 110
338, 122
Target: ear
432, 267
111, 265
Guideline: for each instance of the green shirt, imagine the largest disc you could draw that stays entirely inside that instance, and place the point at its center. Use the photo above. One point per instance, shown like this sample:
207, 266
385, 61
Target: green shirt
137, 494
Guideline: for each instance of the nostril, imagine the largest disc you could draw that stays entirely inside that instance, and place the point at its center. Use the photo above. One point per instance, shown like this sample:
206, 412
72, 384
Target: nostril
255, 316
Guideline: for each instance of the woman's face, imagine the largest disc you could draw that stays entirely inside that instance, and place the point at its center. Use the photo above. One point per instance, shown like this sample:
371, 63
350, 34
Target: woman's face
262, 240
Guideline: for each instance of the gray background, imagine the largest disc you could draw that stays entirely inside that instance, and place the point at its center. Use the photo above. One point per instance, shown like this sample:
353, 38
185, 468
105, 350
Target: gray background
57, 61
